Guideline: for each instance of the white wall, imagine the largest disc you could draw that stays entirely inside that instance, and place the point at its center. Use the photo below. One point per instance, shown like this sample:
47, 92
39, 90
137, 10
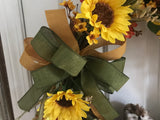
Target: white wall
34, 14
142, 66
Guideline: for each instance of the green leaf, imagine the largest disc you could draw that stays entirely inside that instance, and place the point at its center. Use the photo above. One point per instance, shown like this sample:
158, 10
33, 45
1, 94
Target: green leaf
40, 117
129, 2
153, 27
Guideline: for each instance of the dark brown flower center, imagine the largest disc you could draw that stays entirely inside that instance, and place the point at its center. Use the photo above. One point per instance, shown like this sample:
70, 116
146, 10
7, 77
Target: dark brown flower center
92, 37
81, 26
105, 13
64, 103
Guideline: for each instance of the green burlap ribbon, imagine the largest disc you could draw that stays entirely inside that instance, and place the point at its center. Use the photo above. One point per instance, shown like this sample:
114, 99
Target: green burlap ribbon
95, 74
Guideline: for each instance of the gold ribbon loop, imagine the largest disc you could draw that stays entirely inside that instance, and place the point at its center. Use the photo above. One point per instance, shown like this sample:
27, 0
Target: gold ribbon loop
110, 55
30, 59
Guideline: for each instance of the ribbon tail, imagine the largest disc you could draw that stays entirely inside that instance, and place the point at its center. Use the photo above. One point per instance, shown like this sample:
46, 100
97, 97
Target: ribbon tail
100, 102
108, 73
119, 63
31, 98
44, 78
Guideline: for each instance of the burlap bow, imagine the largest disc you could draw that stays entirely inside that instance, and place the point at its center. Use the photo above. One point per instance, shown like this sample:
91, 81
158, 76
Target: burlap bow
54, 56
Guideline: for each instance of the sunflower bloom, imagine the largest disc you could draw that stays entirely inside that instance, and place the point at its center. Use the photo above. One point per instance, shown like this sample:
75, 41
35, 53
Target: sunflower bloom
109, 16
92, 37
65, 106
152, 4
68, 4
81, 27
71, 6
64, 3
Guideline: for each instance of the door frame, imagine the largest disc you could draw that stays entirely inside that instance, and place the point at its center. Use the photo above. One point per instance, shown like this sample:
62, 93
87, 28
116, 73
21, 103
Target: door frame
12, 29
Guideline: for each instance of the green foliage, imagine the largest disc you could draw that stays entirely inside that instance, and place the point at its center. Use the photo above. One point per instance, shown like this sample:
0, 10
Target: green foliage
129, 2
153, 27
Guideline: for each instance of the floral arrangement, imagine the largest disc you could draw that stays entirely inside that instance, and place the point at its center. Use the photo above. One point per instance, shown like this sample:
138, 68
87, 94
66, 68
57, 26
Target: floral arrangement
69, 74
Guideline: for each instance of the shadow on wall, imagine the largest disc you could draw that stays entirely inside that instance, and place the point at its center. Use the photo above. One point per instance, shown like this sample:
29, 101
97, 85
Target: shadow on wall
119, 108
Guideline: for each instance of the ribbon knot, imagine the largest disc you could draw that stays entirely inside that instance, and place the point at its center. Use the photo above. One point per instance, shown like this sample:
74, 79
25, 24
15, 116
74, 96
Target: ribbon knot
50, 47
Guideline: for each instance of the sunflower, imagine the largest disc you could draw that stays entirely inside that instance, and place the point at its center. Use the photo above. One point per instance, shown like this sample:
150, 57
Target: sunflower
152, 4
65, 106
68, 4
80, 27
92, 37
109, 16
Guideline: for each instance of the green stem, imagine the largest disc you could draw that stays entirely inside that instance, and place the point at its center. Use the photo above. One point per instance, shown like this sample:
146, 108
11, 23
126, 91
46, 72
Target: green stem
21, 115
76, 84
27, 111
42, 106
137, 19
40, 117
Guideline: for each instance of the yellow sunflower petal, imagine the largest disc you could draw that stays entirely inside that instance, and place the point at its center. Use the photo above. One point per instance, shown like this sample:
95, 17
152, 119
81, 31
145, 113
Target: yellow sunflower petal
158, 33
84, 106
63, 3
124, 10
83, 114
116, 35
84, 7
89, 40
60, 92
69, 91
116, 3
57, 112
79, 96
49, 94
79, 15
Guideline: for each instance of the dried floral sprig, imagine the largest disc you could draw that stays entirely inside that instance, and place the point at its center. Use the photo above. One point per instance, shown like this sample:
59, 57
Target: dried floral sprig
132, 31
144, 12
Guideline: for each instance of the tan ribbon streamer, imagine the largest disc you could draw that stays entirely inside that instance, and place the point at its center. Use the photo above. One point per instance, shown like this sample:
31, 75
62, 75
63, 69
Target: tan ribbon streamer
57, 21
111, 55
96, 113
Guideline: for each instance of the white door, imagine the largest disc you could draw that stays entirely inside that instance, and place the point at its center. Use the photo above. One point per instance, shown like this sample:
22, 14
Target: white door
143, 69
23, 18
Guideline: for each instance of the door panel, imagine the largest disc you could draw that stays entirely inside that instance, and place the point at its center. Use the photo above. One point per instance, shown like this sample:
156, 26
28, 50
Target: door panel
142, 64
12, 33
34, 14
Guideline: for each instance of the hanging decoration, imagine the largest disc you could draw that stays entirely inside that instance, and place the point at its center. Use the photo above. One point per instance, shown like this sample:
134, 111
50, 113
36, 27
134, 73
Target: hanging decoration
69, 73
